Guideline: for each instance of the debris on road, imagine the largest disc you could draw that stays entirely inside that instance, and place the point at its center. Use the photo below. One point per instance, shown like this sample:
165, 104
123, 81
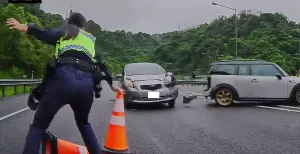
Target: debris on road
188, 98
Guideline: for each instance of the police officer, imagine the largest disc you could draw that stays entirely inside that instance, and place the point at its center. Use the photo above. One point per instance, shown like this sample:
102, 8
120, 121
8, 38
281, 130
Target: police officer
71, 83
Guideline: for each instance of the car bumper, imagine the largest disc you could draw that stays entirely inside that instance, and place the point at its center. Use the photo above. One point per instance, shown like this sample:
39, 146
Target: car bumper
166, 94
207, 93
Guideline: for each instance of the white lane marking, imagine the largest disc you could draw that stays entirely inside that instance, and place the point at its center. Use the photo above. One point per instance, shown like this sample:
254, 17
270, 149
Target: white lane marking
292, 107
276, 108
14, 113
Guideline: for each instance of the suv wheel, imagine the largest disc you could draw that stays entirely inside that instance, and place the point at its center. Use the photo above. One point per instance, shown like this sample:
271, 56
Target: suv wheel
224, 97
296, 97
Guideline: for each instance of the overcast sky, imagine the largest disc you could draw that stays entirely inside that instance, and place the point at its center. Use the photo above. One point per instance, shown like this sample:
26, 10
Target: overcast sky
157, 16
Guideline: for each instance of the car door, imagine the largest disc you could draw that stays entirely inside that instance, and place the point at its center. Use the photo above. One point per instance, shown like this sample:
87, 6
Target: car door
265, 85
242, 81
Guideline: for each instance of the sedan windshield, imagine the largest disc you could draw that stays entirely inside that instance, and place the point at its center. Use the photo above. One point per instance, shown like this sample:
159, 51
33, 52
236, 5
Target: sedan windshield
144, 69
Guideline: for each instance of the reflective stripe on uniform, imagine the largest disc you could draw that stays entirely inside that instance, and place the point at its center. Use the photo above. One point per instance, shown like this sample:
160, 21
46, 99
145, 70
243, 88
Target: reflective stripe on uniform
74, 47
117, 120
91, 37
82, 149
118, 107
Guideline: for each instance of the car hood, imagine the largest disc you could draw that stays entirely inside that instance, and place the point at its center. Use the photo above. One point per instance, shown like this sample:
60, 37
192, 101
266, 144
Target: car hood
146, 77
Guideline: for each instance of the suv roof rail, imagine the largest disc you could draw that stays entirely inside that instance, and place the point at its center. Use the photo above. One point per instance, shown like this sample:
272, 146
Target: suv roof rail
241, 60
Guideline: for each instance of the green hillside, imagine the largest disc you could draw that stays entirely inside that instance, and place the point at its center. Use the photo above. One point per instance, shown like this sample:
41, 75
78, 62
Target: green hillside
266, 36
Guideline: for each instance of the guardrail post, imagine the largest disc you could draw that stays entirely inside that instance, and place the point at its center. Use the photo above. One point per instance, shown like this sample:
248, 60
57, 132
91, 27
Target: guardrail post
15, 90
3, 91
24, 88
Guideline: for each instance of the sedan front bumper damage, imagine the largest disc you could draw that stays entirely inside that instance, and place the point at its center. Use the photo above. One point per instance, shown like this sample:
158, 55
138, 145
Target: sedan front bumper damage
166, 94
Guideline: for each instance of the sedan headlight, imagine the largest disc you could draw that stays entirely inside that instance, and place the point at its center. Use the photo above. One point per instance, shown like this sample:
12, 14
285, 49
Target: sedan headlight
128, 83
168, 79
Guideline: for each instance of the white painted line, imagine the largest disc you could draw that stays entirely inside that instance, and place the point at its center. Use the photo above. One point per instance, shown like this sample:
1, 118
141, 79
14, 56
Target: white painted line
14, 113
292, 107
276, 108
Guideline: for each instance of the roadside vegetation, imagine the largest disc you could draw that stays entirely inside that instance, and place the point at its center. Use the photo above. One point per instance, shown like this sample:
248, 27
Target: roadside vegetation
267, 36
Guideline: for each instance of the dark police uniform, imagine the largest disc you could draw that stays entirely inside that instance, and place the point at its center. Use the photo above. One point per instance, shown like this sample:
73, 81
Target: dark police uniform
71, 83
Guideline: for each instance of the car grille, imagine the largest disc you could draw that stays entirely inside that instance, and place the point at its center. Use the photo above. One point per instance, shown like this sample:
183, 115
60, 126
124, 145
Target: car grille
151, 87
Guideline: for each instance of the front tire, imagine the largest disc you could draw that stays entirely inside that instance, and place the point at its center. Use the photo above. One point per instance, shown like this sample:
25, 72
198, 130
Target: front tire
296, 97
127, 105
224, 97
171, 103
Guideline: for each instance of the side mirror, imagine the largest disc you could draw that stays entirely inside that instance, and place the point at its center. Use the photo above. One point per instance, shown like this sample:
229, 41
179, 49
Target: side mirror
169, 74
279, 77
119, 76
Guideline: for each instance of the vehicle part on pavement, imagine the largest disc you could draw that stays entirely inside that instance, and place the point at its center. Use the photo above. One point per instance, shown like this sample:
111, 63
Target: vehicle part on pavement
186, 99
147, 83
116, 137
53, 145
250, 80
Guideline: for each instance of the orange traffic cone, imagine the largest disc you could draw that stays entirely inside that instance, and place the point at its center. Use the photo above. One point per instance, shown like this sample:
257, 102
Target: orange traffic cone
116, 138
53, 145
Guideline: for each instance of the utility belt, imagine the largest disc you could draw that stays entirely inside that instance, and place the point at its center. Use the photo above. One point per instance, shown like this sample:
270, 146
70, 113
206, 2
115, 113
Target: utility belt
81, 65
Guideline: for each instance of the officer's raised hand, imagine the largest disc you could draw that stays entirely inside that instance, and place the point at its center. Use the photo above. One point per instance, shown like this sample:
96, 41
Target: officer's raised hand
116, 89
14, 24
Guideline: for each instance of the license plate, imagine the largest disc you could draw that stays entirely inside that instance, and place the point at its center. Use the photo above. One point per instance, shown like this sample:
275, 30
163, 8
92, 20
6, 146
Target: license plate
153, 94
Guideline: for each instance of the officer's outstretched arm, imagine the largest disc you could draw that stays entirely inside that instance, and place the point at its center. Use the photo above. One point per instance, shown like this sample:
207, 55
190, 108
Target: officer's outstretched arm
47, 35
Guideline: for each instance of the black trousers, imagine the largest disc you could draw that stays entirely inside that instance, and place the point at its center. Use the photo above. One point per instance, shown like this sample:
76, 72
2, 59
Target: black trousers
67, 86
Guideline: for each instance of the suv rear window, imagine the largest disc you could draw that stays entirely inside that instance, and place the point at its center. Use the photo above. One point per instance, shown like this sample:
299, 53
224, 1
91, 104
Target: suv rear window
264, 70
224, 69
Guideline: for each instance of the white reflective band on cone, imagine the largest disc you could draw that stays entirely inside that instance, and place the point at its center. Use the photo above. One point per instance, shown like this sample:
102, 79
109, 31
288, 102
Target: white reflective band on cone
119, 106
82, 149
117, 120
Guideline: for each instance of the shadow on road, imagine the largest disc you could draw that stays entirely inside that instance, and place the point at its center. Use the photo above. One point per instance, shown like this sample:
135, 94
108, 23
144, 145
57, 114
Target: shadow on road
149, 107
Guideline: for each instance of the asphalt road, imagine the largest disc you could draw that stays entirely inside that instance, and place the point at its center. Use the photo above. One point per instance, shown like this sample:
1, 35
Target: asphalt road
196, 128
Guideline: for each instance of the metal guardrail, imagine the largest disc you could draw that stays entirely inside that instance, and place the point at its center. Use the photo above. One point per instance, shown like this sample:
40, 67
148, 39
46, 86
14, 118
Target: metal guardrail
192, 82
15, 83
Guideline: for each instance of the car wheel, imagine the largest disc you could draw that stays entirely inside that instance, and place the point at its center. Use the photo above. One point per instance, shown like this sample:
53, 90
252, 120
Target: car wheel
296, 97
224, 97
171, 103
127, 105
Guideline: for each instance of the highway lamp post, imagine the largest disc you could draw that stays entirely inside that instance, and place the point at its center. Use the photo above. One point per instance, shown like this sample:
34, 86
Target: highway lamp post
217, 51
235, 22
299, 46
299, 42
